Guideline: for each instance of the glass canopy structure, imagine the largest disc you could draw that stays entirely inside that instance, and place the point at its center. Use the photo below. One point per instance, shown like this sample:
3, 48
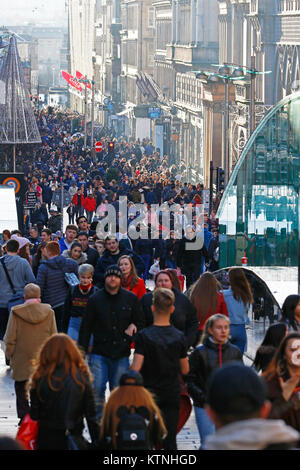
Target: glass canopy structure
258, 214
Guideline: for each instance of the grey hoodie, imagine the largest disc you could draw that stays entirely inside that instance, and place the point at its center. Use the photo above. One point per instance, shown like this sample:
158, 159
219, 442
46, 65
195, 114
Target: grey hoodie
251, 434
19, 271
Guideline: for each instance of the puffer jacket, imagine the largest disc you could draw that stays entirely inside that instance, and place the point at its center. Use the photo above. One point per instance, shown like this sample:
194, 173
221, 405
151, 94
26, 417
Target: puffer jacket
203, 361
51, 279
65, 408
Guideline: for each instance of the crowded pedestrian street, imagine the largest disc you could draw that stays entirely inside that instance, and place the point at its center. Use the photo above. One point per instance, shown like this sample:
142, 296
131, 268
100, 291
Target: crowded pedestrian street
149, 230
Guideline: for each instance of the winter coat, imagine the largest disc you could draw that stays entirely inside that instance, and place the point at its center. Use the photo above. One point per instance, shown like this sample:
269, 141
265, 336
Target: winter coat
203, 361
107, 317
51, 279
65, 408
54, 223
189, 258
89, 204
20, 273
81, 260
184, 317
92, 255
139, 288
75, 199
29, 325
253, 434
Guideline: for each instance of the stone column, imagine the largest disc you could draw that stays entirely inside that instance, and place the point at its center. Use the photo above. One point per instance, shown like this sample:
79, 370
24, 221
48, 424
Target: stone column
178, 22
199, 22
193, 21
174, 21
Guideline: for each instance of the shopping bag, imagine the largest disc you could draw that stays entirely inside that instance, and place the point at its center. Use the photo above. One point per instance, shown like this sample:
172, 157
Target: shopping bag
27, 433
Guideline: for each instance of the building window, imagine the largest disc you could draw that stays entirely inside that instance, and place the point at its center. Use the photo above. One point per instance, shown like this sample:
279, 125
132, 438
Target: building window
151, 17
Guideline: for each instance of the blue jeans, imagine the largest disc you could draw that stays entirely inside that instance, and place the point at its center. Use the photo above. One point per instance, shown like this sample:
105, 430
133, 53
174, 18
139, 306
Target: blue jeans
146, 259
171, 264
74, 327
204, 424
238, 336
105, 370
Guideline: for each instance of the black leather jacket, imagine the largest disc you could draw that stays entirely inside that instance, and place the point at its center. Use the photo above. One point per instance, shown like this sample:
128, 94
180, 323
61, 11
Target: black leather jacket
203, 361
66, 407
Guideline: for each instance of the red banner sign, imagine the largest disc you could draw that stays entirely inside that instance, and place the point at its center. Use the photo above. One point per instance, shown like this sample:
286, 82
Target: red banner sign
80, 76
70, 79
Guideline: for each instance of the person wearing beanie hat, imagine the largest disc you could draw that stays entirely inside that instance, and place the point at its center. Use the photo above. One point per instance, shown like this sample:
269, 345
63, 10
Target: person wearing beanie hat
237, 404
113, 316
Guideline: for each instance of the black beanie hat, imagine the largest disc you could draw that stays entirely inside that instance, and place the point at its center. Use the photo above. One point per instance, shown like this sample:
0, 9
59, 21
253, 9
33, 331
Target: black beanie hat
113, 270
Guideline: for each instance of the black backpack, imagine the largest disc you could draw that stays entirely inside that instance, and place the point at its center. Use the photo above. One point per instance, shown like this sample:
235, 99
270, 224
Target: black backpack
133, 428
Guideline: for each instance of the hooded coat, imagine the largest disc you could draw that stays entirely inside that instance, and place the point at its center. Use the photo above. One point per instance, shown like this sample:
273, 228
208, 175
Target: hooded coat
81, 260
29, 325
20, 273
253, 434
51, 279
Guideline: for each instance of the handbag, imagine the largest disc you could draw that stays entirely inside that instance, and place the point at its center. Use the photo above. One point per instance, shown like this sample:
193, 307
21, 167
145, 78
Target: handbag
18, 297
28, 432
71, 279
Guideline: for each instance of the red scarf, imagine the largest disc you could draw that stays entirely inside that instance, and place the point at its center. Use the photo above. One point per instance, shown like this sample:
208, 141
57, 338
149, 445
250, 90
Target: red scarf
85, 288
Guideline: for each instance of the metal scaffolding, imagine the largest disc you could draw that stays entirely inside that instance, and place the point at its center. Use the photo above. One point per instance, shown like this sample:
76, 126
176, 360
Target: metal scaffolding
17, 120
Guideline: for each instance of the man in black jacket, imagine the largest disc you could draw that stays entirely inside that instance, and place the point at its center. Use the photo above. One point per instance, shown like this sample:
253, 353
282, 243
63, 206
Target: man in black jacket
113, 251
189, 256
113, 316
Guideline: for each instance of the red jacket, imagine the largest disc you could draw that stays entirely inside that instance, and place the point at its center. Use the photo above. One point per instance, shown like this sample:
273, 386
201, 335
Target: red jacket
138, 289
221, 308
75, 199
89, 204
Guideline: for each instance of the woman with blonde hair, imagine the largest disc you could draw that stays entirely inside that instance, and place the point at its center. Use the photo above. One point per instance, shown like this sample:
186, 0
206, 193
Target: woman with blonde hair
130, 280
208, 300
238, 299
131, 396
61, 395
214, 351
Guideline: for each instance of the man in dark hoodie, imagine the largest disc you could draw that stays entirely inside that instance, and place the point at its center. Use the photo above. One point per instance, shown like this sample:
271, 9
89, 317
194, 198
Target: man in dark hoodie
51, 279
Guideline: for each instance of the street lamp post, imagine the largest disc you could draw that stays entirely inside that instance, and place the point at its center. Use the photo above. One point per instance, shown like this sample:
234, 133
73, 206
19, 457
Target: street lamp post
226, 74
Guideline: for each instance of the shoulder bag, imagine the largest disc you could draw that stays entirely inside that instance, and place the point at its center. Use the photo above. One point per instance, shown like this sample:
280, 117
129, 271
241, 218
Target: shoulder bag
18, 297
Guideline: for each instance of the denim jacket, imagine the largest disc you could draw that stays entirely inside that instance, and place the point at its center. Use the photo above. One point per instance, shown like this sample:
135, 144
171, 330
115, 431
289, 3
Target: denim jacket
238, 313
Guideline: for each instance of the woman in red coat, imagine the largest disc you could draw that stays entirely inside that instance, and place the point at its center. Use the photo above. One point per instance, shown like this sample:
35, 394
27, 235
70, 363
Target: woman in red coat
130, 279
78, 201
90, 206
207, 299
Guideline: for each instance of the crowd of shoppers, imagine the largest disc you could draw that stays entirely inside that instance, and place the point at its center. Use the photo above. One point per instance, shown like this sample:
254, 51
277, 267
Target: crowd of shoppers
84, 297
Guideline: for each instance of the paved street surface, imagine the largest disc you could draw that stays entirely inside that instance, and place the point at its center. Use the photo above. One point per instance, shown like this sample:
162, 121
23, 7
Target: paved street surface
187, 439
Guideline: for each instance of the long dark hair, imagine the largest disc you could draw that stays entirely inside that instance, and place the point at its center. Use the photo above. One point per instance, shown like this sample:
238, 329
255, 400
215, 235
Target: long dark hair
288, 310
278, 365
240, 286
204, 295
273, 337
